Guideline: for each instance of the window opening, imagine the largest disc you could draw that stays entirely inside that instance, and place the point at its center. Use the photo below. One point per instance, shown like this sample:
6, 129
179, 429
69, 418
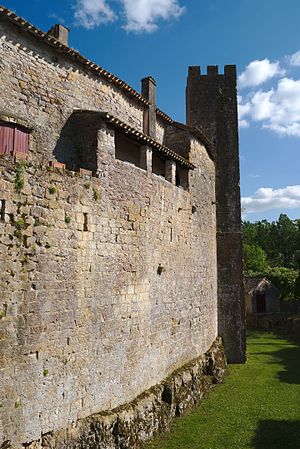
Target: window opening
182, 175
158, 165
127, 150
85, 222
2, 210
13, 138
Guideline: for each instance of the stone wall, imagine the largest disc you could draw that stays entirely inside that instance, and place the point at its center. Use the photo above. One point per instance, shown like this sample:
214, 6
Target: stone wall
109, 283
42, 86
151, 413
88, 320
211, 104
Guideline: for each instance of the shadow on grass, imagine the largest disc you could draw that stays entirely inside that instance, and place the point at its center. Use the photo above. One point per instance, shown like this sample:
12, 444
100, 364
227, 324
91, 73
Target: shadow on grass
277, 435
288, 358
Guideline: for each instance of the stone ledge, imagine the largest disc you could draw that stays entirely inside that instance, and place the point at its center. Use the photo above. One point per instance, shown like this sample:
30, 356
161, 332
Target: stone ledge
151, 413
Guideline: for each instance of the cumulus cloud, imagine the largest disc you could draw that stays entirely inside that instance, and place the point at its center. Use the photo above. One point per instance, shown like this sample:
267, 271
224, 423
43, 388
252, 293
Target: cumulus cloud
139, 15
142, 15
295, 59
92, 13
259, 71
278, 109
267, 198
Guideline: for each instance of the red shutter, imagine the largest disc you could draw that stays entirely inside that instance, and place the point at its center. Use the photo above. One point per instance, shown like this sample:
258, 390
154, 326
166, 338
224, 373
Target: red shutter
6, 139
21, 141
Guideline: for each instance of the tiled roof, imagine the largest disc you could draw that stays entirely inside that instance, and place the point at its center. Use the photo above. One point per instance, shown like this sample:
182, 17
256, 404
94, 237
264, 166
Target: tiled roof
97, 70
139, 136
147, 140
252, 284
164, 116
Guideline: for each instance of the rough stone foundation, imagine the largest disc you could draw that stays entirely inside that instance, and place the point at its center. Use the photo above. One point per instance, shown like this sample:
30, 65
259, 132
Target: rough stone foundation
128, 426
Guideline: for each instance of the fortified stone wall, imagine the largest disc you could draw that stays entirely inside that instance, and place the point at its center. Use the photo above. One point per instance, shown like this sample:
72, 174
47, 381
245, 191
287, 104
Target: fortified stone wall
87, 322
211, 103
43, 86
108, 284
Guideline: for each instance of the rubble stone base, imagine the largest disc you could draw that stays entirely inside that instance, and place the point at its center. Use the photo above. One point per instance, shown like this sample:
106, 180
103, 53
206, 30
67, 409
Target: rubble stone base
151, 413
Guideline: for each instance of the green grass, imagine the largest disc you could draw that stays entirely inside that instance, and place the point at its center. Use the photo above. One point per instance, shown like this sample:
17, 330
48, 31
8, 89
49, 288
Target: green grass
257, 407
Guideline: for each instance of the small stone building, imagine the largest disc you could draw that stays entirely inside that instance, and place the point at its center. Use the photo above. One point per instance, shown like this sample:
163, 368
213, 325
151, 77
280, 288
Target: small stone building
261, 296
120, 246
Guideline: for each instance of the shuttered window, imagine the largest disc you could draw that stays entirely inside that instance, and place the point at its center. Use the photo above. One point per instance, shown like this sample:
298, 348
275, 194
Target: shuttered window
13, 139
6, 139
21, 141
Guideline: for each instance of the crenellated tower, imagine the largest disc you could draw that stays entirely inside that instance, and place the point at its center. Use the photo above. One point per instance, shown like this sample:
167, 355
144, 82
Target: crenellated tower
211, 104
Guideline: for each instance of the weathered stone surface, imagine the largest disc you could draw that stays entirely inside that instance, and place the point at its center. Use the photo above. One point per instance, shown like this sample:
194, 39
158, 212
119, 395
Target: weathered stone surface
108, 282
149, 414
88, 322
212, 105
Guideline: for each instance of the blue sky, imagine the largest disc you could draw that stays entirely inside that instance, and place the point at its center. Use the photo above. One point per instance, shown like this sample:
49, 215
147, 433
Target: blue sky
135, 38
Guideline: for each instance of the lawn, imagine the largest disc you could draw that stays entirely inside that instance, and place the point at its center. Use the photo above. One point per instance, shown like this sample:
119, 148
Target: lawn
257, 406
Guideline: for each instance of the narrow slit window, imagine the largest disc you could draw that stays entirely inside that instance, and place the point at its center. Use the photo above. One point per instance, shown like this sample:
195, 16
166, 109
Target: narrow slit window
85, 222
2, 210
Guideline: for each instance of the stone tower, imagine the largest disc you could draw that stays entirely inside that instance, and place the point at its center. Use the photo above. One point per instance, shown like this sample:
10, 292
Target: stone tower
211, 104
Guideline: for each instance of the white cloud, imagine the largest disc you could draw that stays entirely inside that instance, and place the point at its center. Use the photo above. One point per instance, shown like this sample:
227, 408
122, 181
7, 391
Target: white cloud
142, 15
267, 198
244, 123
92, 13
139, 15
278, 109
254, 175
259, 71
295, 59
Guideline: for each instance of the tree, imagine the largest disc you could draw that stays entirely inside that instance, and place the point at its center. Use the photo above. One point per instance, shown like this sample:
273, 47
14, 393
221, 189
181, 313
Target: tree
280, 240
284, 279
254, 258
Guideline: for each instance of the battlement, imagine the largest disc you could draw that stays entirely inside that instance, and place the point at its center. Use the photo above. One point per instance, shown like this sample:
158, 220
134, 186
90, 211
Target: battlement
212, 71
211, 105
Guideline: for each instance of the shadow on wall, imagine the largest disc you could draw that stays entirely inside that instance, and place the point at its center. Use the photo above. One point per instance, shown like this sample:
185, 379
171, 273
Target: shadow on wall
277, 435
77, 143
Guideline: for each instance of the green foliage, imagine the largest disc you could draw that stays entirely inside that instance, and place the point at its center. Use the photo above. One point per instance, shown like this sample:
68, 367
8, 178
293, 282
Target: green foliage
283, 278
255, 258
20, 224
19, 178
257, 407
280, 240
47, 245
67, 219
96, 194
25, 260
45, 372
52, 190
2, 314
273, 250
